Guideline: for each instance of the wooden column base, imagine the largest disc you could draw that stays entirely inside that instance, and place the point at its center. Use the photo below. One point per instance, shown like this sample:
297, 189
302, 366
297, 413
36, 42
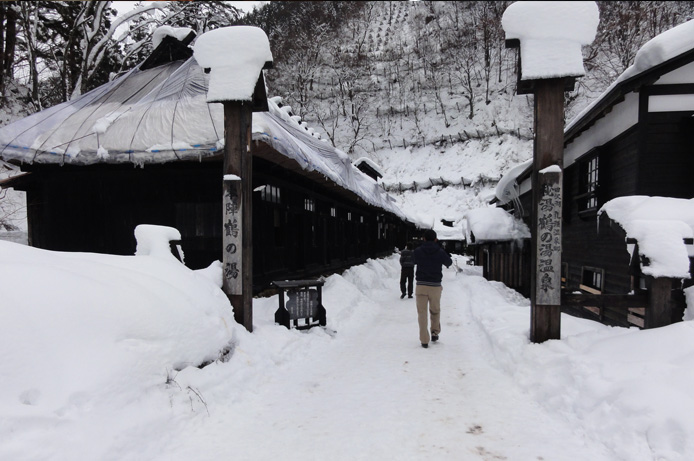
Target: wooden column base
545, 323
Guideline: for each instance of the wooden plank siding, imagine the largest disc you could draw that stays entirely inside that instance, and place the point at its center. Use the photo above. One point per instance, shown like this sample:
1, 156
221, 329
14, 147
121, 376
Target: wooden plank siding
507, 262
96, 209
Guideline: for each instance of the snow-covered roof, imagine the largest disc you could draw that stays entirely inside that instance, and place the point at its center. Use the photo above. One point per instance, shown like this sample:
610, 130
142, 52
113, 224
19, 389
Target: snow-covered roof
659, 225
656, 52
507, 187
179, 33
235, 56
551, 35
369, 162
491, 223
160, 115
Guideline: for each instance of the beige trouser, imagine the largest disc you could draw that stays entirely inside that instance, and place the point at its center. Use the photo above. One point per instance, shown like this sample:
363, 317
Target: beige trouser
431, 296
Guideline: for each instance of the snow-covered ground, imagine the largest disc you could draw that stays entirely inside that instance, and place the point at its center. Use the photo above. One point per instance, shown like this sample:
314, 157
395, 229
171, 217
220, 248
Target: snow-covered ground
100, 361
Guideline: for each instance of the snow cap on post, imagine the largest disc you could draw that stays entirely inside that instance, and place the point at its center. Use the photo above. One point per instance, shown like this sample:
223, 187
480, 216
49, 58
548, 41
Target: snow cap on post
236, 56
551, 35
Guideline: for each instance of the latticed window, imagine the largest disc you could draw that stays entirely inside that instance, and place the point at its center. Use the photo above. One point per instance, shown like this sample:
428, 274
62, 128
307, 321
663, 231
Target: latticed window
592, 279
588, 196
270, 194
308, 204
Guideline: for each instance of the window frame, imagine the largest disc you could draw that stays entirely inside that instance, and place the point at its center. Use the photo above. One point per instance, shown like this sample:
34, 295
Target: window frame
588, 199
588, 283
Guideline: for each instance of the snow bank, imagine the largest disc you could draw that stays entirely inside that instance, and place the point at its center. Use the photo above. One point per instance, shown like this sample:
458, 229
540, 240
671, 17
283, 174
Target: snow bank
82, 329
630, 389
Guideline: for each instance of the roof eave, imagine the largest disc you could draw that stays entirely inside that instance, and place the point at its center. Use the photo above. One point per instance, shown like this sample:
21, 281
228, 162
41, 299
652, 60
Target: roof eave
629, 85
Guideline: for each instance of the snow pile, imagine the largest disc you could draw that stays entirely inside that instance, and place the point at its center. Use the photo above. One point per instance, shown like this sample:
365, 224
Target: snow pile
551, 35
84, 330
628, 388
488, 224
659, 224
156, 240
235, 56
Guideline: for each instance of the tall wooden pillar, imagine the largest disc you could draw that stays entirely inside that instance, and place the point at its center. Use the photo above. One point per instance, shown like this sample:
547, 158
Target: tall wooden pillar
237, 259
545, 295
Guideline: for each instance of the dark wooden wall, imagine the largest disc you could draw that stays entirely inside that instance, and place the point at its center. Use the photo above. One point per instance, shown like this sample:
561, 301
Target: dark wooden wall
96, 209
507, 262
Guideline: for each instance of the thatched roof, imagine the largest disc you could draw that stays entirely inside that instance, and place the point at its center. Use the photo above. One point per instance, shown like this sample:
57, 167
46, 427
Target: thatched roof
158, 113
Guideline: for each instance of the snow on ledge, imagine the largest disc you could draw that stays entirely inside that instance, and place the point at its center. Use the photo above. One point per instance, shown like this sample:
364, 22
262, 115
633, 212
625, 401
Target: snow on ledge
235, 56
551, 35
659, 225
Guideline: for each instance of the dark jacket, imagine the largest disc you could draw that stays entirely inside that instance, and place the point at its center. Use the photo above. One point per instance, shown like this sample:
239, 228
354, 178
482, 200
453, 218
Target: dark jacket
429, 257
406, 258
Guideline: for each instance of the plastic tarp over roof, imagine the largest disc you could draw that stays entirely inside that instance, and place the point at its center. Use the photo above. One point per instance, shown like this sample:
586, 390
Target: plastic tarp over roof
161, 115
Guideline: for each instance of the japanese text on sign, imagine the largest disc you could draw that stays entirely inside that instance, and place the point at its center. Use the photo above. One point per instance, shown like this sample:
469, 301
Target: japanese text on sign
232, 264
548, 257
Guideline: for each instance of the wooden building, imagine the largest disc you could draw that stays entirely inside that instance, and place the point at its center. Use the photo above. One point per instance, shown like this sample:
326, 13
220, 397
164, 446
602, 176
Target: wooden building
634, 140
147, 148
499, 243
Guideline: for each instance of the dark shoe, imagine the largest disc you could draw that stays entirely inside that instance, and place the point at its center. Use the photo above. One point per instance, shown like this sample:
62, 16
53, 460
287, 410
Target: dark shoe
409, 296
434, 337
403, 295
425, 345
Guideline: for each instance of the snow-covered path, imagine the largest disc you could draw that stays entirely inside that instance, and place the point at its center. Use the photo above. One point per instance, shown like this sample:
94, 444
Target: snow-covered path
372, 392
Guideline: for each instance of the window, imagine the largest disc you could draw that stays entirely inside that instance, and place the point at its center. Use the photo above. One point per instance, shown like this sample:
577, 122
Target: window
333, 212
592, 279
349, 216
270, 194
308, 204
588, 192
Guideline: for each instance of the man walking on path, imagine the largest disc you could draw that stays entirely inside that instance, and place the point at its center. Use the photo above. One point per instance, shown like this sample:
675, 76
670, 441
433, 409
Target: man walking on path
406, 271
429, 257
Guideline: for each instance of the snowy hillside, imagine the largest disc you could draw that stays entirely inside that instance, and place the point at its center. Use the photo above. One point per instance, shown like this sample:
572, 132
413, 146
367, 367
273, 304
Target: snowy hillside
424, 89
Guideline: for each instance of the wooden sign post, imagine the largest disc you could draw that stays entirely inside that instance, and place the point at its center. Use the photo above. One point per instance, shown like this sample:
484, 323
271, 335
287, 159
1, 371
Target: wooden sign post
545, 291
237, 251
548, 154
550, 61
236, 81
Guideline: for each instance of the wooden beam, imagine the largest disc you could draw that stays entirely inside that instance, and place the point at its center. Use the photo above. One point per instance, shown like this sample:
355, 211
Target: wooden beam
584, 299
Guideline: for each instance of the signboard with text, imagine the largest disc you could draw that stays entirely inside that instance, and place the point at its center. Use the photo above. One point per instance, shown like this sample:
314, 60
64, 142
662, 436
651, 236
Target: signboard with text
231, 238
548, 231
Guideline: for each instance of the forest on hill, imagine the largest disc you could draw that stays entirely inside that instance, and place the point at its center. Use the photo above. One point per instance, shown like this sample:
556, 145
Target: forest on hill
354, 70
